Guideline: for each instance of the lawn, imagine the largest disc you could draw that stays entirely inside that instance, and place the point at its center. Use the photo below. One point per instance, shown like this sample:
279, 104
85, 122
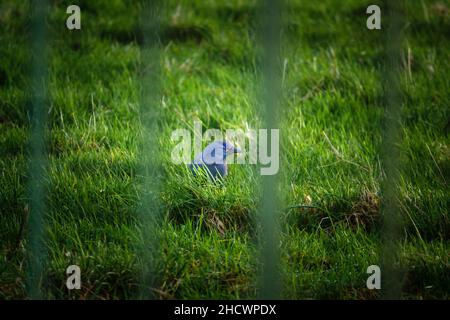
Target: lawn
331, 130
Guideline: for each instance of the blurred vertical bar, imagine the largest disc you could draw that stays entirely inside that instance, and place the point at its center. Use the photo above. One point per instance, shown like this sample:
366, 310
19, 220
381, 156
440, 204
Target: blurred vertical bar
270, 284
391, 282
150, 168
37, 162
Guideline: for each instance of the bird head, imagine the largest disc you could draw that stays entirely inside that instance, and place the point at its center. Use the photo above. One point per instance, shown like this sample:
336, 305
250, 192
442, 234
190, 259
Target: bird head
217, 152
230, 148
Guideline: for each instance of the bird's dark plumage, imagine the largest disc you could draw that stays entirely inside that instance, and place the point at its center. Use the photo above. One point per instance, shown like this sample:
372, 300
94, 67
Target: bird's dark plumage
213, 159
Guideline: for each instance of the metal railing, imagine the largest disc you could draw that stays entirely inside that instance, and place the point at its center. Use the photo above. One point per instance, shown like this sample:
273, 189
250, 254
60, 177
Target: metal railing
149, 210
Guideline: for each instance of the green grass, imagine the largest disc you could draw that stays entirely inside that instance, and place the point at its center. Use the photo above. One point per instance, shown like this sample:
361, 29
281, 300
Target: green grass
210, 71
